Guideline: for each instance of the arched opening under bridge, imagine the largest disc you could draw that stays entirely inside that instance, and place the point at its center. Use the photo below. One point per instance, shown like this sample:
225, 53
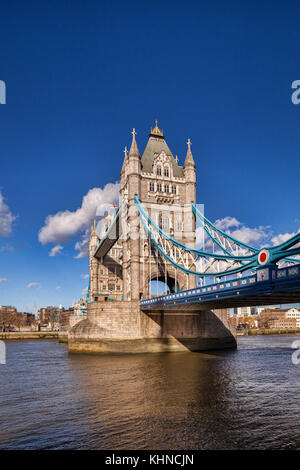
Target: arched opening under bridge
161, 285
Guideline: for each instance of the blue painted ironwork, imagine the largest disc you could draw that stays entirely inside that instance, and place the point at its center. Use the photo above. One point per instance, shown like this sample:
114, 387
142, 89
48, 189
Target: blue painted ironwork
265, 281
251, 258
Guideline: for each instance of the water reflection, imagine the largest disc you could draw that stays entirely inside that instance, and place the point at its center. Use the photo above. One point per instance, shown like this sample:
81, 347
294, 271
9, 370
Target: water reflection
143, 401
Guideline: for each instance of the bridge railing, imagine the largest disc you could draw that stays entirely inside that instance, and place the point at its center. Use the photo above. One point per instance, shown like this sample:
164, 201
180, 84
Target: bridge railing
259, 281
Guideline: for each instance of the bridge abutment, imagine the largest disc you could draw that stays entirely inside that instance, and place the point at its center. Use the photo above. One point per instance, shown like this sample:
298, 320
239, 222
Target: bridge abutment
122, 327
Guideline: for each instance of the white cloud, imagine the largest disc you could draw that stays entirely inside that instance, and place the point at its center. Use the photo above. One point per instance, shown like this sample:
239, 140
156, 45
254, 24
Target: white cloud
85, 290
256, 237
227, 222
6, 218
84, 276
65, 224
283, 237
231, 226
58, 287
32, 284
250, 236
3, 279
56, 250
83, 245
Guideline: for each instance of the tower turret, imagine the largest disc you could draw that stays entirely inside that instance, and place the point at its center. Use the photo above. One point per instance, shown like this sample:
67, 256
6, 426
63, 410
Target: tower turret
133, 183
125, 161
93, 263
124, 167
189, 169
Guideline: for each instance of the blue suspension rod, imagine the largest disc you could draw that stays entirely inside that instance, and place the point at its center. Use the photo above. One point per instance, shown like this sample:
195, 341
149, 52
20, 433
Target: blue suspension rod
144, 213
188, 271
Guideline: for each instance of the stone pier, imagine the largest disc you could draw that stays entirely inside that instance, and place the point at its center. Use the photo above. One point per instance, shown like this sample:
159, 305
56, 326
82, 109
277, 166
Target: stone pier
121, 327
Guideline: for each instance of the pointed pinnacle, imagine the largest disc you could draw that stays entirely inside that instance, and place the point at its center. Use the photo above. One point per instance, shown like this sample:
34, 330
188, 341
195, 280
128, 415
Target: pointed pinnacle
189, 160
134, 151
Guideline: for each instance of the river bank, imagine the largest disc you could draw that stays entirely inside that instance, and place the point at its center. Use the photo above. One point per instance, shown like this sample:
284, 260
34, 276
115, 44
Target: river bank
268, 332
63, 335
29, 335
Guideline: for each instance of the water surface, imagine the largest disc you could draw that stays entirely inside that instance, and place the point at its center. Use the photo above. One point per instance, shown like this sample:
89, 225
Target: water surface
244, 399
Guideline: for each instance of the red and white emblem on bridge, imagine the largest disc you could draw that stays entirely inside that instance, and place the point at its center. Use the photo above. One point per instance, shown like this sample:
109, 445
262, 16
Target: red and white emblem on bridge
263, 257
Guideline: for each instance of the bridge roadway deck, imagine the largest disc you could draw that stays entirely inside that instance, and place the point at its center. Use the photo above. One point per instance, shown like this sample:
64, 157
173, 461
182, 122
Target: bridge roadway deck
269, 286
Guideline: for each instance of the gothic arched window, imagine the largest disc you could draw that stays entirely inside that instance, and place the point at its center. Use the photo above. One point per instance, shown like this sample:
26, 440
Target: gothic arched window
166, 171
158, 171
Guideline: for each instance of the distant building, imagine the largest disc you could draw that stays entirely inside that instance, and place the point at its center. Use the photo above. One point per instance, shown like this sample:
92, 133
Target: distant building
279, 318
274, 318
245, 311
239, 322
12, 320
65, 316
294, 313
49, 317
282, 323
268, 314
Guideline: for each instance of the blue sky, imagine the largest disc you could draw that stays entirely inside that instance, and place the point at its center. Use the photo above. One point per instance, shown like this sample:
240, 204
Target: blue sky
80, 75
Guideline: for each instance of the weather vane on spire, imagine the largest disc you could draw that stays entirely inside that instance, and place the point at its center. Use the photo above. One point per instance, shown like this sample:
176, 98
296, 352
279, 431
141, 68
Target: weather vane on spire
189, 143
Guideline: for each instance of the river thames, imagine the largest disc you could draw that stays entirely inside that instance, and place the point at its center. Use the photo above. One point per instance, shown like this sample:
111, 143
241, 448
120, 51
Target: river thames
244, 399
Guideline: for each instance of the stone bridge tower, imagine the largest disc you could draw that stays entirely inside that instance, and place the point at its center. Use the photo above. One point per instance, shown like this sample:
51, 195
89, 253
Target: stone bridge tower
161, 185
166, 189
121, 276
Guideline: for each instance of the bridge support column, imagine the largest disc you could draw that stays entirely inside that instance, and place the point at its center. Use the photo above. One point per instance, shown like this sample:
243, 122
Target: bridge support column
121, 327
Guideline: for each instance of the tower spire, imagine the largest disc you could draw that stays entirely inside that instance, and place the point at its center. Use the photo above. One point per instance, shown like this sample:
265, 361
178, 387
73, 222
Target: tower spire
189, 160
125, 160
134, 151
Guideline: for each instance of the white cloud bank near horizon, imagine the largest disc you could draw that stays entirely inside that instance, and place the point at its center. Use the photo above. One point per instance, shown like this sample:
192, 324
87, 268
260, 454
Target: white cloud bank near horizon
6, 218
63, 225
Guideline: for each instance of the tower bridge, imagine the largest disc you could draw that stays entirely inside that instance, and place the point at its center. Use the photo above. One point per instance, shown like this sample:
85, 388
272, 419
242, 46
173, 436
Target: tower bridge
152, 236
